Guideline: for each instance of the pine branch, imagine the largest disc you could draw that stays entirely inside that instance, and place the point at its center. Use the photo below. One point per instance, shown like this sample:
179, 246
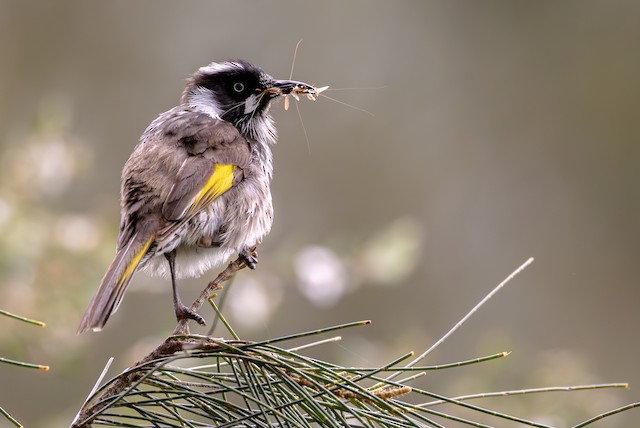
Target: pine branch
183, 327
167, 348
243, 383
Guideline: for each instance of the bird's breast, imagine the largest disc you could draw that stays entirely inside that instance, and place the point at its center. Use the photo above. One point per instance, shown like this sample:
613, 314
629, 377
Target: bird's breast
238, 219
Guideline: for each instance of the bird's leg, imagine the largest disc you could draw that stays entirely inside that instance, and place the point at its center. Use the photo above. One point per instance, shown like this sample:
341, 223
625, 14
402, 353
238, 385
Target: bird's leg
182, 312
250, 257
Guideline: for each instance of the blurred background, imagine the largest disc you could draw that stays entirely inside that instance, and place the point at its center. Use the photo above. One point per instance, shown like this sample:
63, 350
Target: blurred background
499, 130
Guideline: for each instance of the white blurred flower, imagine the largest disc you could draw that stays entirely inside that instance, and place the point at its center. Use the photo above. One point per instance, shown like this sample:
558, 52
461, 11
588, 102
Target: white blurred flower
5, 212
53, 163
322, 277
252, 300
77, 232
392, 254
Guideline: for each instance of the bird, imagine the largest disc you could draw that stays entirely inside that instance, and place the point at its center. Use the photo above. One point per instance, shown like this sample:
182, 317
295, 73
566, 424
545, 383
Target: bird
196, 188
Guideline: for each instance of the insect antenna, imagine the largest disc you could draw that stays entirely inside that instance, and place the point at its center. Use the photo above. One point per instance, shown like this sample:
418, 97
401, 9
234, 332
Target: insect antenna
293, 62
304, 128
356, 88
295, 96
347, 104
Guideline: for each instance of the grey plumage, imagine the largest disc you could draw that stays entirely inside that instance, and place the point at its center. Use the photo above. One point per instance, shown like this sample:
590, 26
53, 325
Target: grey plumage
196, 188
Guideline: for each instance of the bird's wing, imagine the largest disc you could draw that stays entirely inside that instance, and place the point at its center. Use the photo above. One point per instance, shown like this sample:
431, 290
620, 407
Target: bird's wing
217, 159
184, 161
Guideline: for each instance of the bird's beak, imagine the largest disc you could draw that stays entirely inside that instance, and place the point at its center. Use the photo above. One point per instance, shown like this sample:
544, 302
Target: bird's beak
286, 87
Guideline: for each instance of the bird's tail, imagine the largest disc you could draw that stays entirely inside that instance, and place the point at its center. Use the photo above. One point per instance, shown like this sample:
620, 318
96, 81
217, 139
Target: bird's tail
113, 284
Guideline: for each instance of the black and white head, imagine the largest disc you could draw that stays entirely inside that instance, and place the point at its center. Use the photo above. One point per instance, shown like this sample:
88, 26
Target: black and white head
240, 93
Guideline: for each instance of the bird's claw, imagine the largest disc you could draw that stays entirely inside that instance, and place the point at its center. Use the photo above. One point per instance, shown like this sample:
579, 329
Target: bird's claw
250, 258
184, 313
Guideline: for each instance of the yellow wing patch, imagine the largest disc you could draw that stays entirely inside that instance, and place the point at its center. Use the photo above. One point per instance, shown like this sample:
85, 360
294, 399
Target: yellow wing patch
220, 181
133, 264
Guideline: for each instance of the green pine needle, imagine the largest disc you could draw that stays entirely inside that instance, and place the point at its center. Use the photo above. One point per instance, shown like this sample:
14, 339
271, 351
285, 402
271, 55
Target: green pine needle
10, 418
23, 319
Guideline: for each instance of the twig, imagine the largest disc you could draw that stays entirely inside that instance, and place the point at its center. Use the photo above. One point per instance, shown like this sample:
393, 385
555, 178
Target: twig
467, 316
21, 364
95, 387
21, 318
183, 327
170, 346
606, 414
10, 418
222, 318
528, 391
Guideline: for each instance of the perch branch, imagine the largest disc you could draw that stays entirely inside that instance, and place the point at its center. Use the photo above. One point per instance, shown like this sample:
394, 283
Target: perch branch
183, 327
170, 346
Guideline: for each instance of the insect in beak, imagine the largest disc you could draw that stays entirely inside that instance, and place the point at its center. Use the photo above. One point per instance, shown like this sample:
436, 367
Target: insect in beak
293, 88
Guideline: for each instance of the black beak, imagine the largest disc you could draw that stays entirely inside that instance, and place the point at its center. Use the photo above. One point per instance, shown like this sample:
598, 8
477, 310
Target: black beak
285, 87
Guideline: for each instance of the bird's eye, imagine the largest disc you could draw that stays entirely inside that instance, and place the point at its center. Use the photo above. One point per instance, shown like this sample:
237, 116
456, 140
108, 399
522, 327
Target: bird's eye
238, 87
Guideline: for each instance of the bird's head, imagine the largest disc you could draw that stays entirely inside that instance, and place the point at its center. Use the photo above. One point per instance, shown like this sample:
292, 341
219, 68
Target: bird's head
238, 92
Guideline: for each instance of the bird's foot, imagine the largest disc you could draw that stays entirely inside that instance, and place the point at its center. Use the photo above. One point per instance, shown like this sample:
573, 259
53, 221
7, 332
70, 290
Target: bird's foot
184, 313
249, 257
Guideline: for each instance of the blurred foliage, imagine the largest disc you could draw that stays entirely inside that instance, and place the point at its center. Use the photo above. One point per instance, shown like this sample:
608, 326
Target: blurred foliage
48, 254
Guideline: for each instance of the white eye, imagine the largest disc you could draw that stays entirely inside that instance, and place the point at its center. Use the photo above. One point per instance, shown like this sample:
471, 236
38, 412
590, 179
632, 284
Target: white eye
238, 86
